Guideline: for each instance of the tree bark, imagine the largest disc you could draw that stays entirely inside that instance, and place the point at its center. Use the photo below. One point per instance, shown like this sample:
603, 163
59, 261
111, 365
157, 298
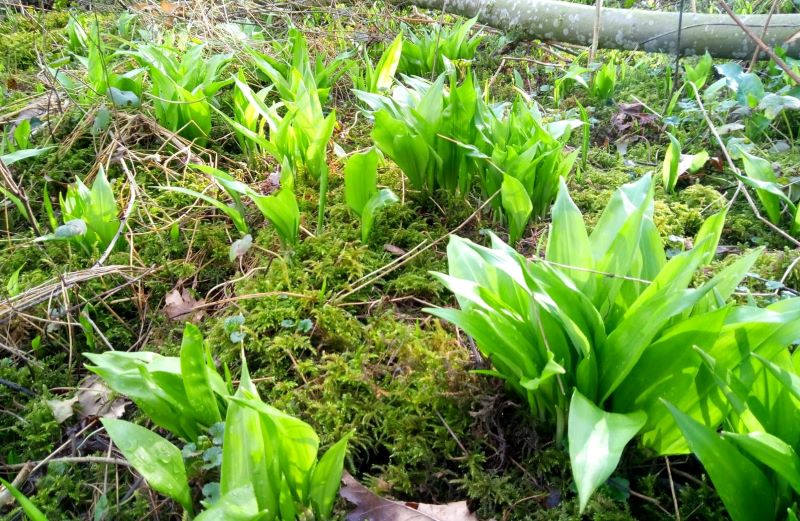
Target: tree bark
630, 29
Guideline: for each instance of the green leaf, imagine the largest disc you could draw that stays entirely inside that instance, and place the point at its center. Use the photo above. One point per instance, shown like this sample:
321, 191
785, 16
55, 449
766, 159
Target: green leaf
232, 213
596, 441
360, 179
247, 457
237, 505
517, 206
327, 477
772, 452
282, 211
759, 169
19, 155
383, 198
669, 169
33, 513
195, 377
158, 461
387, 65
743, 488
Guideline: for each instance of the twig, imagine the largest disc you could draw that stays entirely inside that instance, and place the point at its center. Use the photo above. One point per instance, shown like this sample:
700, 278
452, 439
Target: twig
70, 459
672, 491
754, 59
760, 43
598, 6
732, 165
5, 496
406, 258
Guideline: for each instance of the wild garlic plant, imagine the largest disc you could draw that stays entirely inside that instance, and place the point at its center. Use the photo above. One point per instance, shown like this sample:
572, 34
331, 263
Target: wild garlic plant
443, 135
280, 207
427, 51
184, 82
90, 216
753, 463
270, 466
596, 335
361, 189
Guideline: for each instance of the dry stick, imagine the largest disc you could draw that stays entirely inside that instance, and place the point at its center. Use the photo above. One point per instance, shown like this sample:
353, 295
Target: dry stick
5, 496
598, 4
398, 262
754, 59
740, 187
672, 491
70, 459
760, 43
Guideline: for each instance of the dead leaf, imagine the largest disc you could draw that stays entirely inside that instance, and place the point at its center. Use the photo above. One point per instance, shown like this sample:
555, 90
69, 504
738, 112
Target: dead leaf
95, 400
180, 305
62, 409
375, 508
394, 250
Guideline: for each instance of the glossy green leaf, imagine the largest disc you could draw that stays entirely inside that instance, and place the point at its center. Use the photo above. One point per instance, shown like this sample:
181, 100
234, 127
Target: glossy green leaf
516, 205
669, 169
596, 441
743, 488
772, 452
360, 179
327, 478
383, 198
195, 377
158, 461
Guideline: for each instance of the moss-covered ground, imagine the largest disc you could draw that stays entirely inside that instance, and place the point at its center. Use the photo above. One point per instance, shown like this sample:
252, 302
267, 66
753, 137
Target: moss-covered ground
319, 345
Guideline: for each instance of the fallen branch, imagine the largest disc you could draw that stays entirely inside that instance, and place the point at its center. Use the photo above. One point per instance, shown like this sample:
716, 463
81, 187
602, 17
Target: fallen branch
630, 29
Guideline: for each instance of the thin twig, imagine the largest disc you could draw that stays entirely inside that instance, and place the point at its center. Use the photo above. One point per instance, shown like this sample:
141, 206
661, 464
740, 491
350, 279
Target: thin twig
70, 459
740, 187
760, 43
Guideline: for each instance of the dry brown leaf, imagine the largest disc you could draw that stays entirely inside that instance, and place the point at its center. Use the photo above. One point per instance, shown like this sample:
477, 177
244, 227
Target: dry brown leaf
180, 305
92, 400
95, 400
62, 409
394, 250
375, 508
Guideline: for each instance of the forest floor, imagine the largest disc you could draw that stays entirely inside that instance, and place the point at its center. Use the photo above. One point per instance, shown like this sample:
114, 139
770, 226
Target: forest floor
330, 334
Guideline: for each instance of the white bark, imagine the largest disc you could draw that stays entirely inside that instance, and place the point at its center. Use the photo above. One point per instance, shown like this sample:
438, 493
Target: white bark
631, 29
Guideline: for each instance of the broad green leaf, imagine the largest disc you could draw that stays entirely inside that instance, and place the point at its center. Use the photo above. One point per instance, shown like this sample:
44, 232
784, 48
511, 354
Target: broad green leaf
158, 461
237, 505
516, 205
760, 169
327, 478
360, 179
669, 169
568, 243
772, 452
789, 379
195, 377
388, 63
295, 441
13, 157
31, 510
232, 213
596, 441
282, 211
743, 488
383, 198
247, 460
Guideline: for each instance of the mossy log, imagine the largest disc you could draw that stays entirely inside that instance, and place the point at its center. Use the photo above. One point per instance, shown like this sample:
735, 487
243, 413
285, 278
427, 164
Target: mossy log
630, 29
